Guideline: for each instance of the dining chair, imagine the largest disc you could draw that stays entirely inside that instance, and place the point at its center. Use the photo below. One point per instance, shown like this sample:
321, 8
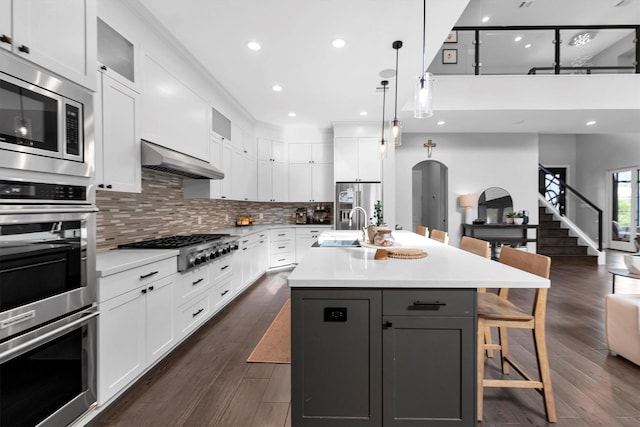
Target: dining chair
440, 236
495, 310
422, 230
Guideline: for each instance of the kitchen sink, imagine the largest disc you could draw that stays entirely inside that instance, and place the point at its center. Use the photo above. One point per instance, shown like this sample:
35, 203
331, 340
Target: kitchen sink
339, 243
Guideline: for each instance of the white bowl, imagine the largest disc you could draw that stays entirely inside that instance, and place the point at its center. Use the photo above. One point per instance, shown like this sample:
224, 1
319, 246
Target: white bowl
633, 263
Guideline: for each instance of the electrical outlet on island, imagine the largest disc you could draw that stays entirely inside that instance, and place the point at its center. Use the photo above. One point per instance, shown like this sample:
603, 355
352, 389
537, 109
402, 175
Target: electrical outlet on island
261, 215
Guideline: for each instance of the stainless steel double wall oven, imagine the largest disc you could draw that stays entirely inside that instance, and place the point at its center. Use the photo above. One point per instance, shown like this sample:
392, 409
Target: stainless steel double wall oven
48, 304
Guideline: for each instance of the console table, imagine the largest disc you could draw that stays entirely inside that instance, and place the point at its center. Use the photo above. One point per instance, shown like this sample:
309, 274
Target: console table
500, 233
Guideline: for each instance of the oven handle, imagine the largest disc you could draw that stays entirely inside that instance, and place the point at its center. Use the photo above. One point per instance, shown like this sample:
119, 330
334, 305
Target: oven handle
49, 210
7, 355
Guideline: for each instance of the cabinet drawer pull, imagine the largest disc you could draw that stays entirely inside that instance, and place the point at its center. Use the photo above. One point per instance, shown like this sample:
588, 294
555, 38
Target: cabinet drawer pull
197, 281
387, 324
150, 288
197, 312
224, 267
224, 293
282, 259
427, 305
281, 234
244, 249
6, 39
24, 49
245, 241
314, 231
281, 247
144, 291
144, 276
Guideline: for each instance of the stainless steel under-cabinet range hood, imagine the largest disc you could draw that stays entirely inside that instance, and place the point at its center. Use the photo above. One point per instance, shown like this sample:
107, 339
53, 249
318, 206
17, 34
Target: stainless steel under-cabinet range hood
173, 162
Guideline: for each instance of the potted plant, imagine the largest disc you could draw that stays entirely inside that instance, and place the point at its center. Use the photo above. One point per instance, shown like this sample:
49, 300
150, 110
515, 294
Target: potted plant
510, 215
376, 221
518, 218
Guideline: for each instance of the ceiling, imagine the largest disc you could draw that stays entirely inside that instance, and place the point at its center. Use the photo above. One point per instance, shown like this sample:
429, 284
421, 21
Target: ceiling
323, 85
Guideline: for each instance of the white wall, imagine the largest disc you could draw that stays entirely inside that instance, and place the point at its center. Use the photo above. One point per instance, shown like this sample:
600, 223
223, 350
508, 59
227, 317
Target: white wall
475, 162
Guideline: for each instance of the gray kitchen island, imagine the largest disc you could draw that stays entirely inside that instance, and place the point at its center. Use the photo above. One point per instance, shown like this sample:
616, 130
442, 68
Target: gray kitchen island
388, 342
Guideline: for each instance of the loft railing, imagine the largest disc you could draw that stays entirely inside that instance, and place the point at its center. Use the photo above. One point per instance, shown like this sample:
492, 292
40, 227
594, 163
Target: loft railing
519, 50
570, 203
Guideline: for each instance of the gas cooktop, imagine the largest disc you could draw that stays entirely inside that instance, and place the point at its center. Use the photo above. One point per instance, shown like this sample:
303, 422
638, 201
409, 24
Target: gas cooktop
174, 242
194, 249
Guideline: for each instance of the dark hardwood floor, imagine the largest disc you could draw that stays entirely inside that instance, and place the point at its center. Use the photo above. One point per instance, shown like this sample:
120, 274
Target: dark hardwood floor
207, 382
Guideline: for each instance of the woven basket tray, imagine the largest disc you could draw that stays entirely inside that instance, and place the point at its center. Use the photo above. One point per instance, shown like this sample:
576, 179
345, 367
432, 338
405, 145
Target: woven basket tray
406, 253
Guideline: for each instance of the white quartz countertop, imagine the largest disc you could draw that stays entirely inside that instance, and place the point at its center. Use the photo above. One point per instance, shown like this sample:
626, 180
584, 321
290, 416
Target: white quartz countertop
118, 260
444, 267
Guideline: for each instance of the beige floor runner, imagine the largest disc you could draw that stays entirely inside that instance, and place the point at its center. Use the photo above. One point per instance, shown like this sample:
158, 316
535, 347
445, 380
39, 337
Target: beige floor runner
275, 344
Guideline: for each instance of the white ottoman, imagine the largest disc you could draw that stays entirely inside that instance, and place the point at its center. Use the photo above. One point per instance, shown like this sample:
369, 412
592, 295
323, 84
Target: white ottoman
623, 325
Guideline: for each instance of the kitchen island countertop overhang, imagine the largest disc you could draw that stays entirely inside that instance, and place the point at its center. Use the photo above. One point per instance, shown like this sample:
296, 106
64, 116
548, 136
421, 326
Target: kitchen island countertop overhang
444, 267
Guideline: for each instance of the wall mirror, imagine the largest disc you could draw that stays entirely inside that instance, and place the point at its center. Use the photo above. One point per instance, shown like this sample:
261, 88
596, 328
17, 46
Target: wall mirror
493, 204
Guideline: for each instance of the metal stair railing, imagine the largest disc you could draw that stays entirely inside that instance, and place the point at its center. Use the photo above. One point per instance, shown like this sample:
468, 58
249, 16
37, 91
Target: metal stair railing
564, 186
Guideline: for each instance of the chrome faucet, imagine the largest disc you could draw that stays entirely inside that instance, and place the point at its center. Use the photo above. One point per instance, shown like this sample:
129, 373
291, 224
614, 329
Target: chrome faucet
366, 221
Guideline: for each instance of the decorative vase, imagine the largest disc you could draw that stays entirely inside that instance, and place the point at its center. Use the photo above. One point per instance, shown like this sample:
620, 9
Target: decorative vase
371, 231
518, 221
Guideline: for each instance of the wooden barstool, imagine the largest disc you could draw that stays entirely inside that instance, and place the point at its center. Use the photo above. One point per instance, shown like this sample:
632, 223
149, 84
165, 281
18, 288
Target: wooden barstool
495, 310
422, 230
440, 236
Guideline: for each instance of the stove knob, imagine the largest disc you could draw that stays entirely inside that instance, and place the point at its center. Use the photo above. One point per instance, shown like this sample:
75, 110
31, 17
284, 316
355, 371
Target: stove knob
224, 251
198, 260
192, 261
208, 256
235, 247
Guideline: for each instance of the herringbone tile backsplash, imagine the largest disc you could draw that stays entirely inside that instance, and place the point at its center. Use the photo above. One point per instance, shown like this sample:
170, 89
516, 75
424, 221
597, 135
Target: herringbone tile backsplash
160, 210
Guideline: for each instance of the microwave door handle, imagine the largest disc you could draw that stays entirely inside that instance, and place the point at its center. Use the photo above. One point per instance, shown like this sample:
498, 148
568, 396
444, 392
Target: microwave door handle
7, 355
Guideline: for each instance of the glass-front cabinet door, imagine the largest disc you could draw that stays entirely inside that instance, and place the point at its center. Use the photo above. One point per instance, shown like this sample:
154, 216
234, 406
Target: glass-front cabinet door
624, 209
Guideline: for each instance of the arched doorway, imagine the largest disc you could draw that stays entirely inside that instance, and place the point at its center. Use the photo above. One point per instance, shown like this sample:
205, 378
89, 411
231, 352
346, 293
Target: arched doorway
429, 190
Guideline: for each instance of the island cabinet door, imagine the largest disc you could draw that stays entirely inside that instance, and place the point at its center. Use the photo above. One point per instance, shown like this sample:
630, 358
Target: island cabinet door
336, 353
429, 361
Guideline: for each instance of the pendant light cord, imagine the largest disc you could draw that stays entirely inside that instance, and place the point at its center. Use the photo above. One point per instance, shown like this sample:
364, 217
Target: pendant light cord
395, 110
424, 36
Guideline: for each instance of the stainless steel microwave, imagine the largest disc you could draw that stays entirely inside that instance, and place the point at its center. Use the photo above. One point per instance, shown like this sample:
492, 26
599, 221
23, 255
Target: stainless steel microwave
46, 123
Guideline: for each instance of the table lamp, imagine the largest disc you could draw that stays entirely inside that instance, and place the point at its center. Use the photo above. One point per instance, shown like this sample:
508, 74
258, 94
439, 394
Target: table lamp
467, 201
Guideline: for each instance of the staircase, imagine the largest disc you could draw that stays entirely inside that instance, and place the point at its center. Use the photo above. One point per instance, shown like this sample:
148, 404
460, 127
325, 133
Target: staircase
556, 243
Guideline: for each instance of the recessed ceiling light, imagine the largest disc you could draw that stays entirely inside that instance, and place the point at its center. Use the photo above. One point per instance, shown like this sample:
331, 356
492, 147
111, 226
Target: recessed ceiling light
591, 123
276, 88
254, 46
527, 46
363, 113
292, 114
339, 43
485, 19
517, 39
441, 123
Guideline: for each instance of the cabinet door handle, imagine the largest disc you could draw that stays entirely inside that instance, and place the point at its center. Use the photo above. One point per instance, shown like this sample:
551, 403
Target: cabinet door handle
244, 249
281, 247
109, 186
224, 267
6, 39
224, 293
387, 324
103, 68
144, 291
150, 288
427, 305
197, 281
197, 312
24, 49
100, 185
144, 276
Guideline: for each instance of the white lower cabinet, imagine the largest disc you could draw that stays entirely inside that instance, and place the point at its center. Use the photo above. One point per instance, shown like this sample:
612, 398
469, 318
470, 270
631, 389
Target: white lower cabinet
247, 260
306, 237
135, 329
282, 247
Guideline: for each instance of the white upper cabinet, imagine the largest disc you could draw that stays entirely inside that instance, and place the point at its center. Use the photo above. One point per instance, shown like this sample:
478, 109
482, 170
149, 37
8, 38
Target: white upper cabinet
118, 55
59, 35
173, 115
357, 159
310, 172
272, 151
117, 137
310, 153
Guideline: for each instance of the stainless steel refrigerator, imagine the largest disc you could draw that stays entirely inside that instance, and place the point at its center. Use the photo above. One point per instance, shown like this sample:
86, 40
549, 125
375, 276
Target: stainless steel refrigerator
355, 194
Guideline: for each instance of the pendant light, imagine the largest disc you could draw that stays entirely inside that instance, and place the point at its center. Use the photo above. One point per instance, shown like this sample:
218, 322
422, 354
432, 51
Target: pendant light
383, 142
395, 124
424, 83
